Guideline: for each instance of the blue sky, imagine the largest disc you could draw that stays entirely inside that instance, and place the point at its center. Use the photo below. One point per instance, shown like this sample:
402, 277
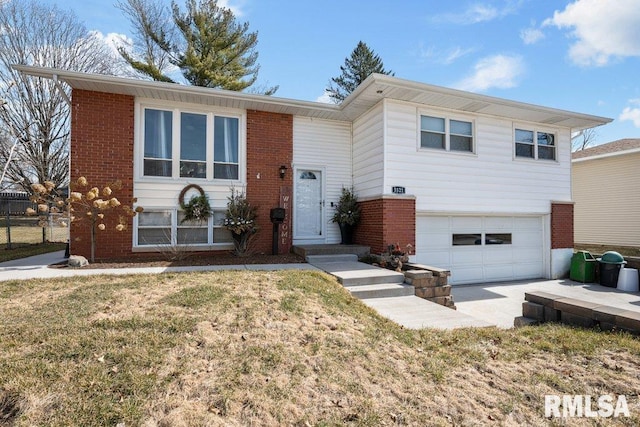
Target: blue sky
578, 55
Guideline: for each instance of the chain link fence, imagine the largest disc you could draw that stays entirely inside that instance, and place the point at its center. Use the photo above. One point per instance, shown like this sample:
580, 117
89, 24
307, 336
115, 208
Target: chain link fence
16, 228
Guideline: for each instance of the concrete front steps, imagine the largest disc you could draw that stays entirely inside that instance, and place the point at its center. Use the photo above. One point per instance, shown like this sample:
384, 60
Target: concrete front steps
385, 291
362, 280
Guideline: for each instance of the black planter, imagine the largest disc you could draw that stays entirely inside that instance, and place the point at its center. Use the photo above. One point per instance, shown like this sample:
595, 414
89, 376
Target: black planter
346, 234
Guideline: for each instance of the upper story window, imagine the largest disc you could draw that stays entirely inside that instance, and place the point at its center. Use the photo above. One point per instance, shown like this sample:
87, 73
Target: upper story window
446, 134
158, 135
190, 145
535, 145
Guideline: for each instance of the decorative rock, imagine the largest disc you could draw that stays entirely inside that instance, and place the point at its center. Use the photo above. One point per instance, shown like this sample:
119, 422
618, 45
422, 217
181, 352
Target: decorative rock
77, 261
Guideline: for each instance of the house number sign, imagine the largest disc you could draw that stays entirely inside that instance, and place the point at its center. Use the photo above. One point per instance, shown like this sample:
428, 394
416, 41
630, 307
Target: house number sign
398, 190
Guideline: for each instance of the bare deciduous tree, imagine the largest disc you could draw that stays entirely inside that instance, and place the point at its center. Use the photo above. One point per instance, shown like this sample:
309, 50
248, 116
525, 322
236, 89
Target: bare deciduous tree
35, 113
583, 139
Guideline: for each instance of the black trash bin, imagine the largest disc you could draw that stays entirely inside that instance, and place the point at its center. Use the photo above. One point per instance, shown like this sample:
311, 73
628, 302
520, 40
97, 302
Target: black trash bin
610, 264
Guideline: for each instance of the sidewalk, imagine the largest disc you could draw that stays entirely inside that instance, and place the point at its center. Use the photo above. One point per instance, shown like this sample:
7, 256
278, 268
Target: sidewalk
36, 267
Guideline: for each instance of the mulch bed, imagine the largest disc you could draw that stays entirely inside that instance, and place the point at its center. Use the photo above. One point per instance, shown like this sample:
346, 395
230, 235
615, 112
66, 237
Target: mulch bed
223, 258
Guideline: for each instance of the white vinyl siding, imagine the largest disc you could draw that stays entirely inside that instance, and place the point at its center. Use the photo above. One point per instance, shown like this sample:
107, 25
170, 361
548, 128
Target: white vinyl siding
607, 200
368, 153
488, 182
326, 145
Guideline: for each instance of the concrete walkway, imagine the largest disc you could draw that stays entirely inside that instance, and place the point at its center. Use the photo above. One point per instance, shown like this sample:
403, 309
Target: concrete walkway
36, 267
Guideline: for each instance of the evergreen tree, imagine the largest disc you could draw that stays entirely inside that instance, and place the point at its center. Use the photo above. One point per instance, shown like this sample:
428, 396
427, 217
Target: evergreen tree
205, 42
362, 63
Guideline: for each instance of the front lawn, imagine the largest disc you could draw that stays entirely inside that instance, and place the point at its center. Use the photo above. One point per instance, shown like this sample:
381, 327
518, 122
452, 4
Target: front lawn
277, 348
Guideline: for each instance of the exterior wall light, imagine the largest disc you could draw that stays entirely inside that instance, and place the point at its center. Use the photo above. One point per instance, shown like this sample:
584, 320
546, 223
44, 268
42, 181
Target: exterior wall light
283, 171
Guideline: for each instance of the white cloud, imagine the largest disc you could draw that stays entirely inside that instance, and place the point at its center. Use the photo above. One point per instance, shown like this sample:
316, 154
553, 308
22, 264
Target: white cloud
324, 98
479, 12
632, 114
114, 40
235, 8
444, 57
455, 54
531, 35
602, 29
499, 71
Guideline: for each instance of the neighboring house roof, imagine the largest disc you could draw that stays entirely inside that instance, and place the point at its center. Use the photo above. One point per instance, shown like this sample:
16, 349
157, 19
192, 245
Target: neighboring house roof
615, 148
375, 88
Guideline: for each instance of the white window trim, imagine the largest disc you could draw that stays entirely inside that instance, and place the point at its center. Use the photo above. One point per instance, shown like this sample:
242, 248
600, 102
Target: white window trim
176, 109
447, 132
174, 230
535, 130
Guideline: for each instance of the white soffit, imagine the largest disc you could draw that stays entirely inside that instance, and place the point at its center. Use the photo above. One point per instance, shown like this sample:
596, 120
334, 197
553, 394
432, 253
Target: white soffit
374, 89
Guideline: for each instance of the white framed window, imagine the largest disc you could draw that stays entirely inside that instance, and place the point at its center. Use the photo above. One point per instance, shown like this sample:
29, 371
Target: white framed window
534, 144
191, 144
447, 134
164, 228
158, 142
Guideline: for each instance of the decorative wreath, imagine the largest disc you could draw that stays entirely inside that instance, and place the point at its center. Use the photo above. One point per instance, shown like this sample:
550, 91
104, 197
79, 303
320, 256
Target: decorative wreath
186, 189
196, 209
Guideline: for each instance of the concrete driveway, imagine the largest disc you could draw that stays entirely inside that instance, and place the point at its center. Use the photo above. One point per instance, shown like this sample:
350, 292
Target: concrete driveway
500, 303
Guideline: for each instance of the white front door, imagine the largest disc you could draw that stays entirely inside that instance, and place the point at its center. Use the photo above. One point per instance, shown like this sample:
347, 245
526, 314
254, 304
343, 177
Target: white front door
307, 218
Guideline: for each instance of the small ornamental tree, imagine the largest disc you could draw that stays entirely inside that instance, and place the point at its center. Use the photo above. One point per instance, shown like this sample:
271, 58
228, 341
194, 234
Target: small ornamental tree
84, 205
240, 219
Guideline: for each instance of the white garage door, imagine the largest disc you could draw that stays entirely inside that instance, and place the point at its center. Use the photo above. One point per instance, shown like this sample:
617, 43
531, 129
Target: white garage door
481, 249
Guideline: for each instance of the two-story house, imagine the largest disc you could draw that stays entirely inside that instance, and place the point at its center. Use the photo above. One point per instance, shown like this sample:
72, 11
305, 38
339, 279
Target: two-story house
476, 184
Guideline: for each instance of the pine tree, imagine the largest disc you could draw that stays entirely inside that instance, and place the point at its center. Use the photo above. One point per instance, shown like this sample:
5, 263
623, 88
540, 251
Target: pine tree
362, 63
205, 42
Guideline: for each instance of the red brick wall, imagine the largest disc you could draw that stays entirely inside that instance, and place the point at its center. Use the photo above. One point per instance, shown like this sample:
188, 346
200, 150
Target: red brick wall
102, 151
269, 145
561, 225
387, 221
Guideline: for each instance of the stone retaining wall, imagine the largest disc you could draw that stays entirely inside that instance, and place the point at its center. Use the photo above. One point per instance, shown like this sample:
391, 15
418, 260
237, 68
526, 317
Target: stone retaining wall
430, 283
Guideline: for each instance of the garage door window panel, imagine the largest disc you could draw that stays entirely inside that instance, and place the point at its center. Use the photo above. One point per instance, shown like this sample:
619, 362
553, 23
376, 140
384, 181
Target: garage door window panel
497, 239
466, 239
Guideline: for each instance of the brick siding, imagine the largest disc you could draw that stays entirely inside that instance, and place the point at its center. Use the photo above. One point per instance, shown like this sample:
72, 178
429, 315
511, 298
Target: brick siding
387, 221
102, 151
561, 225
269, 146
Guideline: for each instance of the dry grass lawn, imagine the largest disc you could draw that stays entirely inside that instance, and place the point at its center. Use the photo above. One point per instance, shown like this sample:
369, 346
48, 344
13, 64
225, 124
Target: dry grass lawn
278, 348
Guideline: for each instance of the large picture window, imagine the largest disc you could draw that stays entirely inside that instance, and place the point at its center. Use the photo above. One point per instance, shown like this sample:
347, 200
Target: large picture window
446, 134
535, 145
204, 145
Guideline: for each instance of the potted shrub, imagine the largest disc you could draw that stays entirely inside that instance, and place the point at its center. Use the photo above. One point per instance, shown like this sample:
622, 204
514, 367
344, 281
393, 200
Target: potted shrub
240, 219
347, 215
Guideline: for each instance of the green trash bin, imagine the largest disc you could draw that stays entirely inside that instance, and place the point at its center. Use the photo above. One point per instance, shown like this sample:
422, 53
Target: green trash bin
610, 265
583, 267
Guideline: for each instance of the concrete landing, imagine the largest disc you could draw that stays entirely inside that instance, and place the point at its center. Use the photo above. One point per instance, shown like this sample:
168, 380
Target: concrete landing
414, 313
306, 250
